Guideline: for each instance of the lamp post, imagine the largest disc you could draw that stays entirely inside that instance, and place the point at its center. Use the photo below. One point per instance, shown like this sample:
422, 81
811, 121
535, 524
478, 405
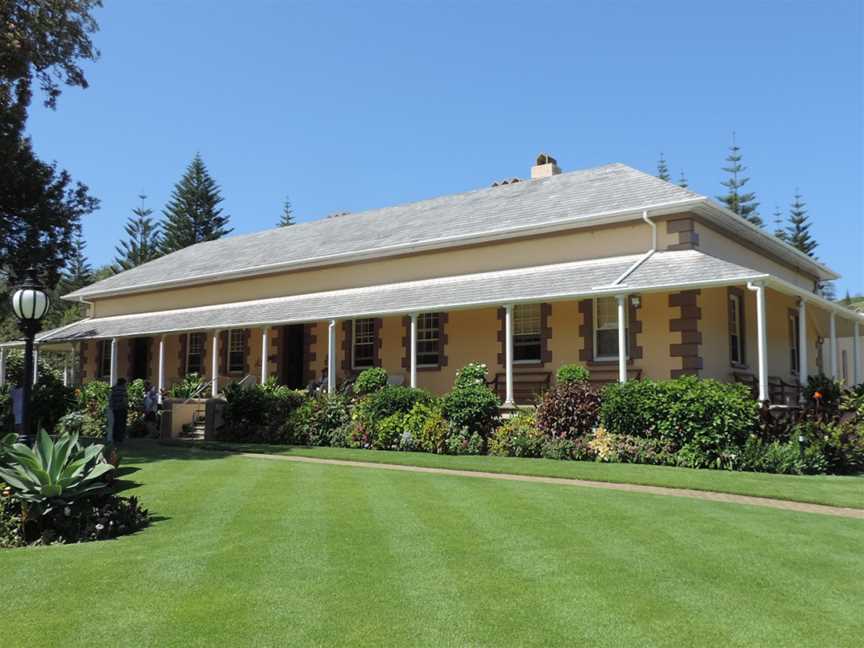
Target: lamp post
29, 303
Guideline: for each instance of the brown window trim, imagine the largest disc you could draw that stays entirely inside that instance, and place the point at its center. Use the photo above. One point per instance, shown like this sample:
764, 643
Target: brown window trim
793, 341
586, 331
443, 319
742, 317
225, 352
545, 335
348, 346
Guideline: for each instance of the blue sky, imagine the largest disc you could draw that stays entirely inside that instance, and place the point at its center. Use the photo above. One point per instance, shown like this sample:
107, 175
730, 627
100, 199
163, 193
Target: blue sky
349, 106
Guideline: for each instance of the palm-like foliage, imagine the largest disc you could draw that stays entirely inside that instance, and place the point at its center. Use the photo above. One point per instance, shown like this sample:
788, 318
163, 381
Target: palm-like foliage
61, 470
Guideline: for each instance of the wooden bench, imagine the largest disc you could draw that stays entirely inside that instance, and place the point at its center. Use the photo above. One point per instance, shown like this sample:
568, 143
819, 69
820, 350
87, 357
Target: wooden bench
526, 385
779, 391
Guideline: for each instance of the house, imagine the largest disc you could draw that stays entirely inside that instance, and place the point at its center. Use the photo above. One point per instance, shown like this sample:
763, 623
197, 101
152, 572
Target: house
609, 267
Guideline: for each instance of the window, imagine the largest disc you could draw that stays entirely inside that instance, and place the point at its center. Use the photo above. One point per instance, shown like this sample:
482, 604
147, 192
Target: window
526, 333
794, 332
105, 359
236, 351
606, 328
428, 339
195, 353
736, 342
364, 343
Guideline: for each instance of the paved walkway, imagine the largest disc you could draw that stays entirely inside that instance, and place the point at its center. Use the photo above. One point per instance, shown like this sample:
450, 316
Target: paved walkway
710, 496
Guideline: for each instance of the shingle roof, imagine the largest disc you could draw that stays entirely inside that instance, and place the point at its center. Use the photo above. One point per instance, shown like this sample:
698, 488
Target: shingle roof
543, 283
568, 197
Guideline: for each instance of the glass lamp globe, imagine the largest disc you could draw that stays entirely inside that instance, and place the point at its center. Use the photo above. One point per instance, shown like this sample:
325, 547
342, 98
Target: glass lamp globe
30, 304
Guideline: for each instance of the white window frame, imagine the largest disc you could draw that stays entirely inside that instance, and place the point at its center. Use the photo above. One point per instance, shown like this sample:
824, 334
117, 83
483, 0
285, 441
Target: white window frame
189, 338
519, 324
236, 335
354, 344
597, 328
738, 302
429, 332
105, 359
794, 349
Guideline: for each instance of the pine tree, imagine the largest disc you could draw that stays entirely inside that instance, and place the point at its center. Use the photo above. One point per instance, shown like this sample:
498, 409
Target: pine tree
682, 181
798, 230
78, 272
663, 169
144, 242
743, 204
193, 214
779, 232
287, 217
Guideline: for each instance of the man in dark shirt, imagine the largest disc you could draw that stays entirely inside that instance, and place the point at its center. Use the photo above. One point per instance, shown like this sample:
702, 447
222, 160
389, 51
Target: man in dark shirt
119, 404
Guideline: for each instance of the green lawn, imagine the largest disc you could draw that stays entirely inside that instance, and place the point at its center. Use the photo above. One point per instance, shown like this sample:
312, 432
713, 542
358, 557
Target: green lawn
817, 489
269, 553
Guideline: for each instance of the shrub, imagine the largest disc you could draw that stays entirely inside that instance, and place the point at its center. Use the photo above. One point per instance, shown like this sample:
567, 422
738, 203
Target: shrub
51, 401
569, 410
427, 427
780, 457
706, 419
840, 444
7, 420
388, 400
474, 373
572, 373
823, 395
92, 400
190, 386
81, 423
257, 413
464, 442
91, 518
53, 472
321, 420
388, 432
517, 437
370, 380
473, 407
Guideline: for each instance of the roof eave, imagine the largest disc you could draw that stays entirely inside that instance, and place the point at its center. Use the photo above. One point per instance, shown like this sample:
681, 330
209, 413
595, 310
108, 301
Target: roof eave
726, 218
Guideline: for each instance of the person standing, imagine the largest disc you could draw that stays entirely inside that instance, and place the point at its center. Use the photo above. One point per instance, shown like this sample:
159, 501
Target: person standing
118, 402
151, 407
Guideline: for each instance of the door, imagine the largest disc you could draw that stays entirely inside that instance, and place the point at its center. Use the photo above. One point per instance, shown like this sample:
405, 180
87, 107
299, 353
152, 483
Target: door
140, 358
293, 357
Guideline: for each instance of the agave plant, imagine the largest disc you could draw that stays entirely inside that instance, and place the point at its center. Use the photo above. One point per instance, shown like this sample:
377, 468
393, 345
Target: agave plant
54, 471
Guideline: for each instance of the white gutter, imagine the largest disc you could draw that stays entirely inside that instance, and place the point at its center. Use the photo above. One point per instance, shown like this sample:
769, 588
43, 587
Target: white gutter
584, 220
547, 297
646, 256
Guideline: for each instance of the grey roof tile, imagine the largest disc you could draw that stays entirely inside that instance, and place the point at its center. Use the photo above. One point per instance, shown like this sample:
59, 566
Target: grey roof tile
545, 201
542, 283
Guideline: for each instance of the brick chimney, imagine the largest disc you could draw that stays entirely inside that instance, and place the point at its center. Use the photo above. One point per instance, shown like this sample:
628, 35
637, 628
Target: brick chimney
546, 166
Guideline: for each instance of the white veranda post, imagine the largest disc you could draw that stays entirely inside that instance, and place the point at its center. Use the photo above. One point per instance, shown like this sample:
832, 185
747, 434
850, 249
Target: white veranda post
214, 364
802, 342
161, 376
622, 338
761, 340
35, 364
331, 357
833, 333
414, 350
112, 376
65, 369
265, 354
856, 351
508, 354
2, 367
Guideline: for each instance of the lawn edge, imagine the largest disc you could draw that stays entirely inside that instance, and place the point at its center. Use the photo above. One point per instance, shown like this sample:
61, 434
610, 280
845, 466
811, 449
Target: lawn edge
264, 449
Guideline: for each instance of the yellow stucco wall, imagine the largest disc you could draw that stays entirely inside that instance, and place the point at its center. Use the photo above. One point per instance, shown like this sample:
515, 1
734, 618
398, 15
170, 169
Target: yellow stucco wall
717, 244
655, 313
561, 247
473, 337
